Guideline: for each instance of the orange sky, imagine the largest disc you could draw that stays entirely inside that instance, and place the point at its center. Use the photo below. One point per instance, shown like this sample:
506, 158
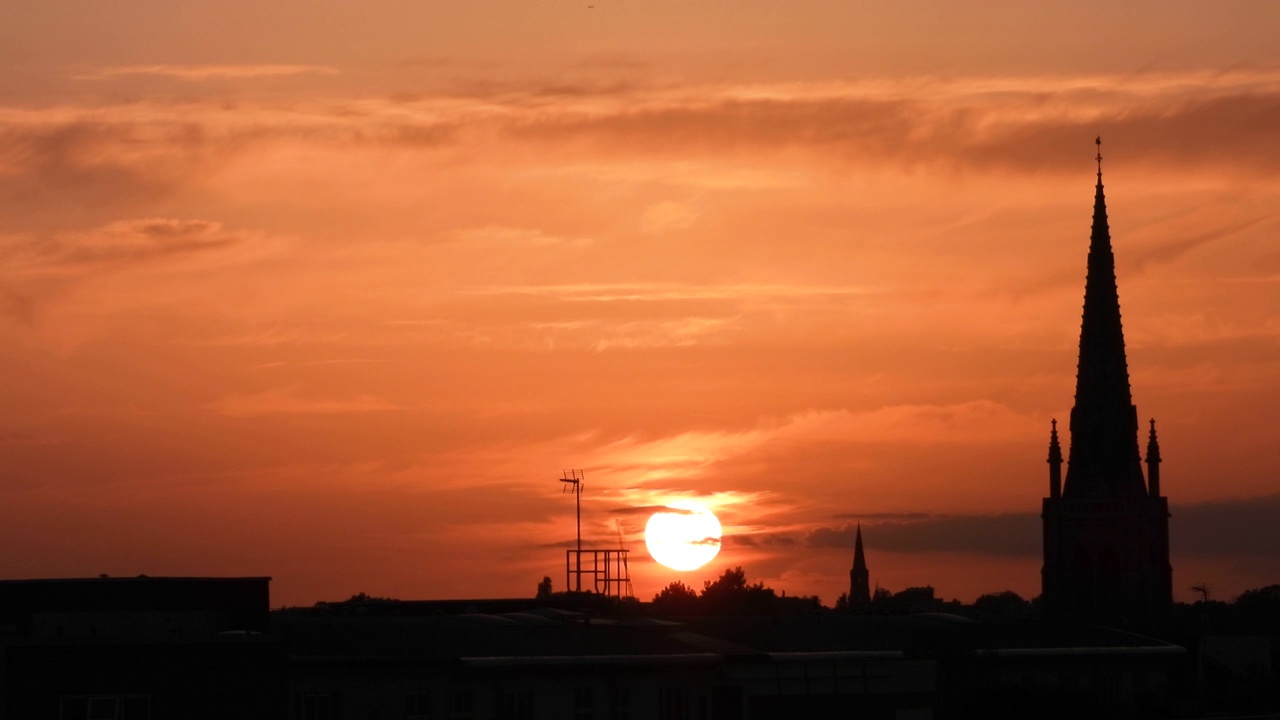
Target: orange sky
334, 293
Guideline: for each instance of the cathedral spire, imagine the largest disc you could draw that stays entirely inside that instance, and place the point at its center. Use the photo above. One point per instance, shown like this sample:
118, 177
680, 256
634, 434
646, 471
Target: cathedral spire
1106, 535
1103, 460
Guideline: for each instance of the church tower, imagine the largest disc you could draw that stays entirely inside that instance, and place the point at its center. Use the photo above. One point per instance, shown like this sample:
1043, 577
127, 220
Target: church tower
859, 580
1106, 529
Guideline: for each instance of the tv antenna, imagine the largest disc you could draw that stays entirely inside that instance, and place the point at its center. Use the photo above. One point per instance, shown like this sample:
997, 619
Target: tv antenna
572, 480
1204, 590
606, 570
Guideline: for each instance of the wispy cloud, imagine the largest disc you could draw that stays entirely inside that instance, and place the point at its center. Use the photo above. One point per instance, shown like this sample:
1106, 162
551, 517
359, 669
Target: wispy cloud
128, 242
1013, 124
664, 291
209, 72
1220, 528
689, 456
1171, 250
16, 306
286, 401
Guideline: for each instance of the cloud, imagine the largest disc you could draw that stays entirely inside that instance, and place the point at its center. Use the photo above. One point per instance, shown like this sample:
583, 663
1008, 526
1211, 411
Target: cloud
1221, 528
284, 401
66, 159
1010, 124
37, 263
132, 241
42, 267
1172, 250
505, 237
689, 456
1017, 124
1006, 534
887, 516
209, 72
762, 540
16, 306
649, 510
666, 291
1242, 526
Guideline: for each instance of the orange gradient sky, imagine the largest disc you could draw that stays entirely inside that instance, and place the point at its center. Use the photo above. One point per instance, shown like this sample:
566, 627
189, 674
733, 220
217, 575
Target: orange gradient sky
333, 292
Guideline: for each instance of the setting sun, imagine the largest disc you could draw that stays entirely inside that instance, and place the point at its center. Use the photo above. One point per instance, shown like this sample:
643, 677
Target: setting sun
684, 536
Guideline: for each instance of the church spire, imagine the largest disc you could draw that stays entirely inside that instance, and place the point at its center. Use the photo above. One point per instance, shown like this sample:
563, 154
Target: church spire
1104, 460
859, 578
1106, 537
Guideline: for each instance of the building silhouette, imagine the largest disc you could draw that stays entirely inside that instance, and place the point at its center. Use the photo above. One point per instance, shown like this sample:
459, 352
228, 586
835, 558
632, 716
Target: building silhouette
1106, 528
859, 579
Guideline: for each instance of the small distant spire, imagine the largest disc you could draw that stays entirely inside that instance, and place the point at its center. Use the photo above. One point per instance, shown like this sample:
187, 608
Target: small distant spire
859, 591
1055, 462
1153, 462
859, 557
1153, 445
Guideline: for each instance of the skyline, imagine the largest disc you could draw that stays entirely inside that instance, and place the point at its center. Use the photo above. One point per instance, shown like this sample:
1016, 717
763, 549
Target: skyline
293, 291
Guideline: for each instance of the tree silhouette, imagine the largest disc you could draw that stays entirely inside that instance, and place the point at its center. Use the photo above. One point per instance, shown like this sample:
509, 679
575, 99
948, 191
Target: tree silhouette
1005, 602
676, 599
730, 594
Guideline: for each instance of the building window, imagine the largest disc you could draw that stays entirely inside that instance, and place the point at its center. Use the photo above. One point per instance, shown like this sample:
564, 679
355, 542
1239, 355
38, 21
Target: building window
417, 705
673, 704
105, 707
620, 703
517, 705
462, 704
315, 706
583, 703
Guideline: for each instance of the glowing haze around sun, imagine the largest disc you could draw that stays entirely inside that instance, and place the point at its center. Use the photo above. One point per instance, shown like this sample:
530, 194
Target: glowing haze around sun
684, 536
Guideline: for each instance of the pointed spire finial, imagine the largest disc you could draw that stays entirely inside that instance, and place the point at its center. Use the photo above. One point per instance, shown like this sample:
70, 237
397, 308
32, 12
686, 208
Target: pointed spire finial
1098, 142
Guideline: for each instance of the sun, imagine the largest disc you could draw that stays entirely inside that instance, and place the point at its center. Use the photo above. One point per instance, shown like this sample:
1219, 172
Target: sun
683, 536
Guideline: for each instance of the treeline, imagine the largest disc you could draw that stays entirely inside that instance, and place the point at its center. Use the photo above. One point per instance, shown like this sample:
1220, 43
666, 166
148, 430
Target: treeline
729, 594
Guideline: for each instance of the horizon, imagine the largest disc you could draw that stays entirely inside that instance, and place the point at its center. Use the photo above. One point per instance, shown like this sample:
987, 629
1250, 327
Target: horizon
334, 295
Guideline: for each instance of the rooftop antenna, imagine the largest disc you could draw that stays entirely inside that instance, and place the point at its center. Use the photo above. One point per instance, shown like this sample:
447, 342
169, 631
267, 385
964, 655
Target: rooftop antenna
572, 480
1203, 589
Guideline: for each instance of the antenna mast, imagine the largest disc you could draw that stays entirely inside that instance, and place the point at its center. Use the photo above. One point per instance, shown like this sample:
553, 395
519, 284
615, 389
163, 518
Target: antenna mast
608, 572
1204, 589
572, 480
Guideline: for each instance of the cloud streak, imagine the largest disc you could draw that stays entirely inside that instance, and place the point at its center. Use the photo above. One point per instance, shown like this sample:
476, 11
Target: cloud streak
1221, 528
194, 73
285, 401
1012, 124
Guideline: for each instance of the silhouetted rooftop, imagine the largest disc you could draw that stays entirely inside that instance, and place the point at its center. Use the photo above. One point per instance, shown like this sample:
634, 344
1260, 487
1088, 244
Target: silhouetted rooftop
549, 632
